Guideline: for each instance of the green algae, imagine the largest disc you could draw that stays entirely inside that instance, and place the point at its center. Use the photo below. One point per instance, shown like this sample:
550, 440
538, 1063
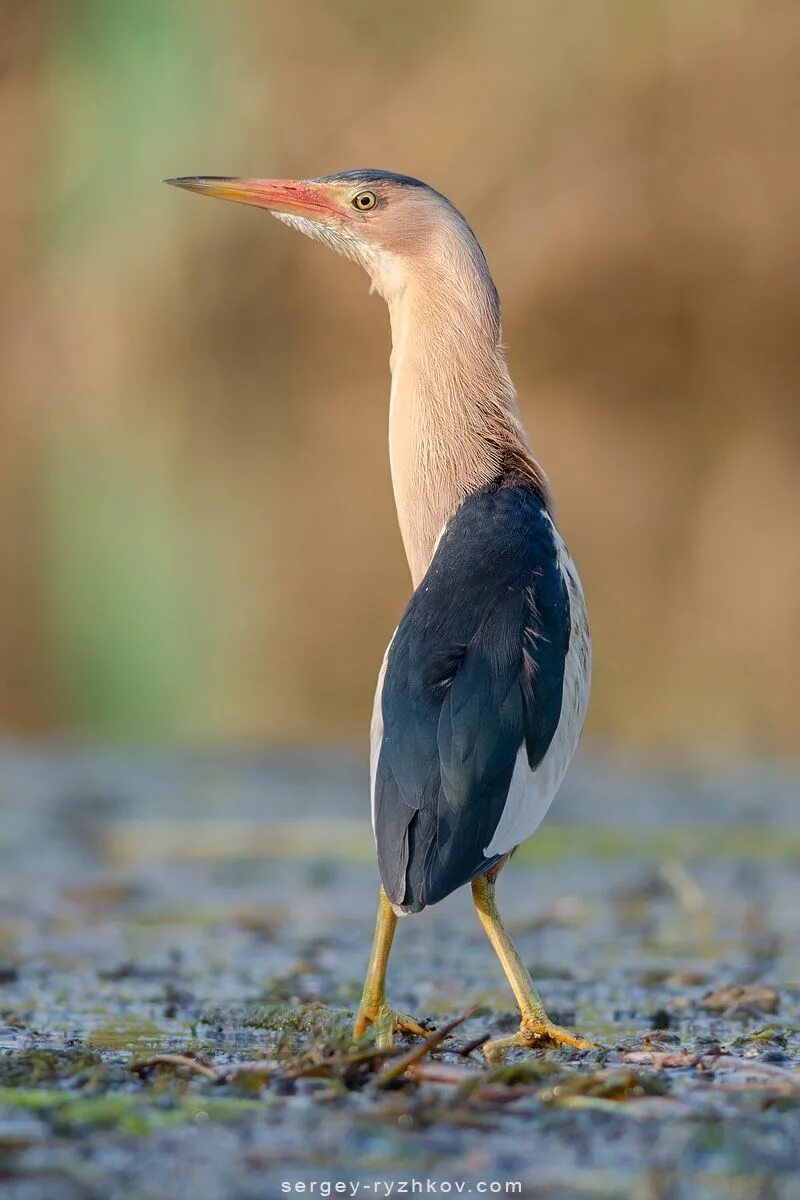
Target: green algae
129, 1113
41, 1068
126, 1033
315, 1020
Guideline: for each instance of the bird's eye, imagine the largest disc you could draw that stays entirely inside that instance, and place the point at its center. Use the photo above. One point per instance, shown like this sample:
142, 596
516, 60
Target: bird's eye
364, 201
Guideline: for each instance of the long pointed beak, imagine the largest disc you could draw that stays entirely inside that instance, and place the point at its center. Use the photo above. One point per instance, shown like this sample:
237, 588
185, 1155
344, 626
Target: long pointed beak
278, 195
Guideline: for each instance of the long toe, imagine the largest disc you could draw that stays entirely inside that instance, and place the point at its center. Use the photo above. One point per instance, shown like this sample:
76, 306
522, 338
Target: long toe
534, 1036
406, 1024
387, 1022
552, 1035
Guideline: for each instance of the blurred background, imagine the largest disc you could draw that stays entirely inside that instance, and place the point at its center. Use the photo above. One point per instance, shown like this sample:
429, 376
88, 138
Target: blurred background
197, 534
200, 569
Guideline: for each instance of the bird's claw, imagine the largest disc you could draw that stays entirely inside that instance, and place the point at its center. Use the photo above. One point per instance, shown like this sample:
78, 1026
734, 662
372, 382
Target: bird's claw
387, 1022
535, 1035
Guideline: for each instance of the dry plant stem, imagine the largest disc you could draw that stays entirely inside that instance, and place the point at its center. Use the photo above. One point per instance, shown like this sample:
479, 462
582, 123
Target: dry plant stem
414, 1056
179, 1061
475, 1044
258, 1069
422, 1072
372, 1054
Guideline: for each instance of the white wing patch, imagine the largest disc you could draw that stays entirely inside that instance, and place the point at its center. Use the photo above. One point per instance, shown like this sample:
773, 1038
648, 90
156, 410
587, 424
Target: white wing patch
531, 792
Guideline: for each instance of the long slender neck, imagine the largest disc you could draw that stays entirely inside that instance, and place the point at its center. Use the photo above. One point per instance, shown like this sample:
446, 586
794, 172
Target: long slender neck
454, 424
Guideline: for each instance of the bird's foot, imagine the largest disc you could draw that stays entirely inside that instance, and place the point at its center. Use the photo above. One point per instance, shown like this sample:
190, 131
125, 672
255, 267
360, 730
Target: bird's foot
534, 1035
387, 1022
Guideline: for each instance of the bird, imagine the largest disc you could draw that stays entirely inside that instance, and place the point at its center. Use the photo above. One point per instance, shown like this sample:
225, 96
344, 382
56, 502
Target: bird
484, 686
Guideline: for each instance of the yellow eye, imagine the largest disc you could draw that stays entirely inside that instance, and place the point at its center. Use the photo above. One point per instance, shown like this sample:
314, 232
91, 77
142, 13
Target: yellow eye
364, 201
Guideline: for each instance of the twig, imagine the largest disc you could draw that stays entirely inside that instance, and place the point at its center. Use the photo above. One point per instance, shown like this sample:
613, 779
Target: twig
179, 1061
302, 1067
418, 1052
261, 1068
423, 1072
475, 1044
501, 1093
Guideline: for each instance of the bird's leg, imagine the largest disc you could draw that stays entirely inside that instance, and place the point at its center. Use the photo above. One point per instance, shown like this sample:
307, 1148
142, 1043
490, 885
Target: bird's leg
373, 1009
536, 1030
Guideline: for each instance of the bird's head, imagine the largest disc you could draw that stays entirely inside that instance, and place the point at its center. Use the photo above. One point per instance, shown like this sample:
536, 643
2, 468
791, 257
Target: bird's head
393, 225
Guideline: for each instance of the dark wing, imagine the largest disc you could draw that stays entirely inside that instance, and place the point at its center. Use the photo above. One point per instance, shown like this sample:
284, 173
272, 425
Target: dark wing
475, 669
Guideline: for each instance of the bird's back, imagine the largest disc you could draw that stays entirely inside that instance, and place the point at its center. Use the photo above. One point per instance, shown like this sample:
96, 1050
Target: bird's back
469, 744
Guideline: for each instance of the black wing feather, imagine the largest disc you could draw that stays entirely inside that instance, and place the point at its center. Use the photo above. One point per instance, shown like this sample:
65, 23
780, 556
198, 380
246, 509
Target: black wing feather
475, 668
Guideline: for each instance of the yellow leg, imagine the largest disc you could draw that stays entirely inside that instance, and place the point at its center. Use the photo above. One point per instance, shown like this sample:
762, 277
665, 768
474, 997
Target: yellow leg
535, 1029
373, 1009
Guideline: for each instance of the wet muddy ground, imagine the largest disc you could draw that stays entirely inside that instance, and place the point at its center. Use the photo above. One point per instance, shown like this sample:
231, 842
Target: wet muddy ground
182, 943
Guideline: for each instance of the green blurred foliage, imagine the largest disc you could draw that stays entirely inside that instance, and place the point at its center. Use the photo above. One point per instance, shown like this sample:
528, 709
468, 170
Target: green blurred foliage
125, 613
198, 539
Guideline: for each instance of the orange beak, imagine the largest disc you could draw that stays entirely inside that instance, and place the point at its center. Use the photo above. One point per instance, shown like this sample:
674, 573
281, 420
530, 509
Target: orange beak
293, 196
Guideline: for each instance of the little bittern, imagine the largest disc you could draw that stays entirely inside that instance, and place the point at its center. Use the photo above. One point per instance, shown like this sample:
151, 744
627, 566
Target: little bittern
484, 686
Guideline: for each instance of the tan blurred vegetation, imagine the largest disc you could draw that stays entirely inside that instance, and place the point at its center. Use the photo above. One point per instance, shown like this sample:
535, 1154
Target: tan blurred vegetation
198, 539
